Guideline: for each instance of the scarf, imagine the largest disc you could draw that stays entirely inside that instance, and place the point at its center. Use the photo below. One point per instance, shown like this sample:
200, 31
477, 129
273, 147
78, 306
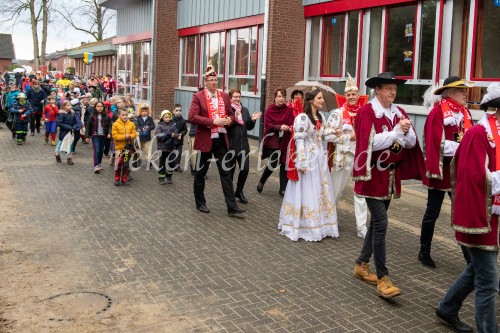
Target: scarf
349, 113
494, 131
449, 106
237, 113
215, 112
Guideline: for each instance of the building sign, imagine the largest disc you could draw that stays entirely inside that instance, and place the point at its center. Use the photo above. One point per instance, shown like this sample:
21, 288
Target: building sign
87, 58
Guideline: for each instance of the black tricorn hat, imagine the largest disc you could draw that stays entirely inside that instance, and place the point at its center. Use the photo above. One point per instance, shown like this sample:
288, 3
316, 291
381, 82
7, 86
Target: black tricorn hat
385, 77
453, 82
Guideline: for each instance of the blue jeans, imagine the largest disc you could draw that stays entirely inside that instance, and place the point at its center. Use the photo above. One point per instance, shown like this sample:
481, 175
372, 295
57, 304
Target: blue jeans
98, 144
480, 274
375, 236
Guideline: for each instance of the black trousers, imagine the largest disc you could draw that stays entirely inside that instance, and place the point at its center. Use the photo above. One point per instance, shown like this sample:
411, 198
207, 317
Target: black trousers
434, 202
275, 158
167, 164
224, 164
35, 122
243, 160
107, 145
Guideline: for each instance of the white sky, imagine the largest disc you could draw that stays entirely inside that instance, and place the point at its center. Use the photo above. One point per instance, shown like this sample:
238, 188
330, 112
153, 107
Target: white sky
59, 37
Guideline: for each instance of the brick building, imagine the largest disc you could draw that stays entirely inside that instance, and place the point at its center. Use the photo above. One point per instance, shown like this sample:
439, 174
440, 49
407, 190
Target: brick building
59, 61
7, 52
280, 42
104, 58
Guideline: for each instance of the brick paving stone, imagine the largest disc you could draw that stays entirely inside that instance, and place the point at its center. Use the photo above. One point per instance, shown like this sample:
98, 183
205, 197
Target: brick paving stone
228, 272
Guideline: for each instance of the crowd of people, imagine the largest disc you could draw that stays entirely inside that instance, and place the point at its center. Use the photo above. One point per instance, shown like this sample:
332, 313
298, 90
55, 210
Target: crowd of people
371, 140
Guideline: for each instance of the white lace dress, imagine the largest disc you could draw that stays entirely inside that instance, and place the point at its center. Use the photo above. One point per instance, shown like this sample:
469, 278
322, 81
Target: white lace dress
308, 210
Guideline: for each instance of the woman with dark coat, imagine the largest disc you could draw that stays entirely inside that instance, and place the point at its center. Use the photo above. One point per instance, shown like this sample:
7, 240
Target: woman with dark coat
238, 141
278, 123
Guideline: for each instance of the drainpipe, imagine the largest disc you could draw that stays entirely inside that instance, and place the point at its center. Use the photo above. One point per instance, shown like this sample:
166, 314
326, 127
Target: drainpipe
152, 56
263, 87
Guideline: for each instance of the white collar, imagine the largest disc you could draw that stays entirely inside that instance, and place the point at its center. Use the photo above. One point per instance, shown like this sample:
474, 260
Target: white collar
380, 110
486, 124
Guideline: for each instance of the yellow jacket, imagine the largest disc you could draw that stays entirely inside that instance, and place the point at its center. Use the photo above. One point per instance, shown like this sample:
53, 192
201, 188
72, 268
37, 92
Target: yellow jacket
119, 130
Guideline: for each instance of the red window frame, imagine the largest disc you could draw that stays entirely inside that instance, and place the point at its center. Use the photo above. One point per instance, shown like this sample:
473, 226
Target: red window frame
387, 10
321, 73
474, 45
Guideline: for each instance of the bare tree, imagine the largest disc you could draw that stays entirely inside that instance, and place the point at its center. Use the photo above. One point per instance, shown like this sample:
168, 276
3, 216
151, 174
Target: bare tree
97, 17
13, 12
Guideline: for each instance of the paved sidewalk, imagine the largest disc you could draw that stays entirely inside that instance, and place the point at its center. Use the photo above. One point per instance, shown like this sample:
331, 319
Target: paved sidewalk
148, 244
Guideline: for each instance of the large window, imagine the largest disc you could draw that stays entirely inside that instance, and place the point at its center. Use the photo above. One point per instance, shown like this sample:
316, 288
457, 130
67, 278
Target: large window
487, 41
214, 52
133, 72
243, 59
400, 40
237, 65
189, 73
333, 46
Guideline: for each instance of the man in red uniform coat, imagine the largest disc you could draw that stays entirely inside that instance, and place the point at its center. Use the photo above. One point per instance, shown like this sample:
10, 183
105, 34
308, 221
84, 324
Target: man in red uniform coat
384, 137
476, 205
211, 111
444, 128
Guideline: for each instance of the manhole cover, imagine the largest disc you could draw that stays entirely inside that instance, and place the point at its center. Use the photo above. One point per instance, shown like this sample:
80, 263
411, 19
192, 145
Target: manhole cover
70, 305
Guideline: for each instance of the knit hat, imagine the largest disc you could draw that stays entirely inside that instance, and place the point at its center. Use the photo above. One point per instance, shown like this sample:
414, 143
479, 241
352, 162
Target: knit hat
350, 84
164, 112
75, 101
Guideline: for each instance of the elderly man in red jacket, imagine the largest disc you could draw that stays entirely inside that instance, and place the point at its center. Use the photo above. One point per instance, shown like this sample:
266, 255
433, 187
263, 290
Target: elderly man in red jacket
211, 111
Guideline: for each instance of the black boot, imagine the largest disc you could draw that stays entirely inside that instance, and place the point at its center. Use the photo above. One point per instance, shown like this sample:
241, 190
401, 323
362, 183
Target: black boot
240, 196
425, 259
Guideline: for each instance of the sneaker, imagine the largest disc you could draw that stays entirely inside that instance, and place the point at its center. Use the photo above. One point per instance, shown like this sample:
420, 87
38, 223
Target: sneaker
53, 143
100, 167
107, 155
19, 142
125, 183
169, 180
32, 134
386, 289
362, 272
46, 139
70, 161
58, 159
454, 323
96, 169
163, 181
117, 183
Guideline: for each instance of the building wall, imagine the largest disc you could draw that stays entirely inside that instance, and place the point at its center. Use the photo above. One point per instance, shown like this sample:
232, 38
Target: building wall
285, 59
101, 65
135, 18
165, 56
4, 63
193, 13
60, 64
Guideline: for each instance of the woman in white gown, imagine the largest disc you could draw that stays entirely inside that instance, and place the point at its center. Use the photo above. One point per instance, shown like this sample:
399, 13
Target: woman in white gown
308, 210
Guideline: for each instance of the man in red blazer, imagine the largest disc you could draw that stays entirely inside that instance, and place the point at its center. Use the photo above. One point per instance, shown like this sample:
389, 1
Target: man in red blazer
211, 111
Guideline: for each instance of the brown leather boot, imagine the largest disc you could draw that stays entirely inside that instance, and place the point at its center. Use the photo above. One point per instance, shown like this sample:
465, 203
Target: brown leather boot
386, 289
362, 271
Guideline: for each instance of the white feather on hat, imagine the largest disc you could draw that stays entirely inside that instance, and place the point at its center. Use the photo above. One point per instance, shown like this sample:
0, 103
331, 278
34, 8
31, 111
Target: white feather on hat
429, 97
492, 92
